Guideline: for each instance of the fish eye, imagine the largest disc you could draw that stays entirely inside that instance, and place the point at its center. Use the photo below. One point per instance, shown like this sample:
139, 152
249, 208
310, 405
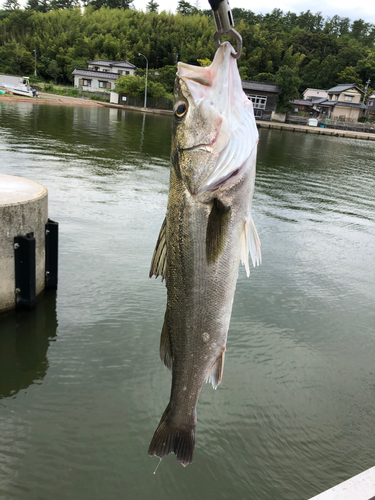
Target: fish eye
181, 110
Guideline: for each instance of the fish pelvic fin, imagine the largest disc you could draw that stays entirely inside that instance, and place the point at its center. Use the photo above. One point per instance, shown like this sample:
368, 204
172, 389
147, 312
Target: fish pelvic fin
250, 242
170, 438
165, 345
217, 230
159, 259
216, 373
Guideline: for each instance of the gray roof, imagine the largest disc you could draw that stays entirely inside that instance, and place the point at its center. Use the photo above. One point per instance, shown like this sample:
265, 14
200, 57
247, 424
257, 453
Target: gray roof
316, 99
302, 102
118, 64
266, 87
351, 105
340, 103
344, 86
96, 74
321, 100
325, 103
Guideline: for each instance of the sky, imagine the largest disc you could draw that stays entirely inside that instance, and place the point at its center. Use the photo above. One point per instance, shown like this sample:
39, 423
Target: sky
343, 8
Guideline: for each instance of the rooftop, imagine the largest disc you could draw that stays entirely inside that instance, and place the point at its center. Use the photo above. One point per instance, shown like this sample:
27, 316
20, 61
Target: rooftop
117, 64
302, 102
267, 87
351, 105
321, 100
97, 74
345, 86
315, 90
341, 103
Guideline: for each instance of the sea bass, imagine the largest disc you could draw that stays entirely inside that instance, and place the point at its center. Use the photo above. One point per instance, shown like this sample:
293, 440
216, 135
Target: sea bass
205, 234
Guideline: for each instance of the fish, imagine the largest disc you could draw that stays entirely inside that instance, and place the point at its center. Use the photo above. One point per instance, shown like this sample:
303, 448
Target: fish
206, 232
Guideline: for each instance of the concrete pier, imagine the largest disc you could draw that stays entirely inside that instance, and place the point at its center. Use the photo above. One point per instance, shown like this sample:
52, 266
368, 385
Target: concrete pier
349, 134
23, 210
360, 487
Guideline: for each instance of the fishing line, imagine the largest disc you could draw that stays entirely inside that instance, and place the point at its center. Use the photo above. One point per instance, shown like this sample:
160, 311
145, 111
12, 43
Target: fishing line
160, 459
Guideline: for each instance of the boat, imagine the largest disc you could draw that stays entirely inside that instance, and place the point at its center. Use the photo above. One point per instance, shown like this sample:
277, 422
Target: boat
23, 88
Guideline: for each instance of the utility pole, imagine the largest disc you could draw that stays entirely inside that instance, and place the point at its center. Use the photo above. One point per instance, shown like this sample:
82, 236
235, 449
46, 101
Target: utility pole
34, 50
146, 77
364, 98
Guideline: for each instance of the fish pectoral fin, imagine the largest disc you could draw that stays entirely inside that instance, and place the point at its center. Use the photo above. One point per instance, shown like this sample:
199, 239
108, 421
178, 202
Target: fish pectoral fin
217, 230
165, 346
250, 242
216, 373
159, 259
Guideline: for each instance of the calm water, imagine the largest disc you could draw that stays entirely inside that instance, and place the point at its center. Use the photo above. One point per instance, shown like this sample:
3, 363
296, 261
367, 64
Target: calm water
81, 384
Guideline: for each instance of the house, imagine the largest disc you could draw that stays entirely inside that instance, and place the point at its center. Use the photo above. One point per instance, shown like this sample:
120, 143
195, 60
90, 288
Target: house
101, 74
264, 97
371, 104
344, 101
304, 105
314, 94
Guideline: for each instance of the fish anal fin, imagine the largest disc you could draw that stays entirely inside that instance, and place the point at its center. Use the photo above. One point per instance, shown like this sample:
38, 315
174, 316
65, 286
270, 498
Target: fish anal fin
159, 258
216, 373
165, 346
250, 242
217, 230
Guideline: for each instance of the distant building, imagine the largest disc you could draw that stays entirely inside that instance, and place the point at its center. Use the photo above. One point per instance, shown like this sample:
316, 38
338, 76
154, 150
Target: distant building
371, 104
313, 94
304, 105
264, 97
344, 101
101, 74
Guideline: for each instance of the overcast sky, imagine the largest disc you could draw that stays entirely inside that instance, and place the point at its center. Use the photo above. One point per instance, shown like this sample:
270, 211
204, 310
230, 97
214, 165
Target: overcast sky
344, 8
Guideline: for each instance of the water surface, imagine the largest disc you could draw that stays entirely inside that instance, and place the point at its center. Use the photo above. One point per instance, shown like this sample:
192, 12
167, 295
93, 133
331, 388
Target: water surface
81, 384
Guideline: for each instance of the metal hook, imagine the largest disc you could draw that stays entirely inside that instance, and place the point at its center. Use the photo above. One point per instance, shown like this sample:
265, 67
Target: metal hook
232, 32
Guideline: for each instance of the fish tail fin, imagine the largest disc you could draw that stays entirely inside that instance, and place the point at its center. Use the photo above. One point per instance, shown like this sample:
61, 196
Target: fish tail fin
170, 438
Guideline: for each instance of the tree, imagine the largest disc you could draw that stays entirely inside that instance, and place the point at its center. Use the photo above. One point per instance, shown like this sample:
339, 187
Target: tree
185, 8
64, 4
204, 62
349, 75
152, 6
366, 69
289, 81
11, 5
134, 85
112, 4
337, 25
360, 30
246, 15
38, 5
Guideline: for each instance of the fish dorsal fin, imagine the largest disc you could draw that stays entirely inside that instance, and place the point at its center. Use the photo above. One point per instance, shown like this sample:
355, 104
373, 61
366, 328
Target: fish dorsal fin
250, 242
165, 346
217, 230
159, 259
216, 373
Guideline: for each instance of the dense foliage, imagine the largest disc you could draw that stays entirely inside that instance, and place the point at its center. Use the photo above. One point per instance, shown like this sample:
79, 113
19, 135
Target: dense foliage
294, 51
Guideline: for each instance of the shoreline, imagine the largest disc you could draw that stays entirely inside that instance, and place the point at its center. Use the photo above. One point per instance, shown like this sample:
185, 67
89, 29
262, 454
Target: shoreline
54, 99
60, 100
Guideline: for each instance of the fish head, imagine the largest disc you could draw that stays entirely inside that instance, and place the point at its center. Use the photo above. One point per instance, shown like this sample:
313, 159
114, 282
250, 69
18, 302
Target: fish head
214, 130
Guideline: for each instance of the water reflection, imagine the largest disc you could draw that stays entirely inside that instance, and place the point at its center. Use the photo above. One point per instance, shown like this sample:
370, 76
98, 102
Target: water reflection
24, 340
